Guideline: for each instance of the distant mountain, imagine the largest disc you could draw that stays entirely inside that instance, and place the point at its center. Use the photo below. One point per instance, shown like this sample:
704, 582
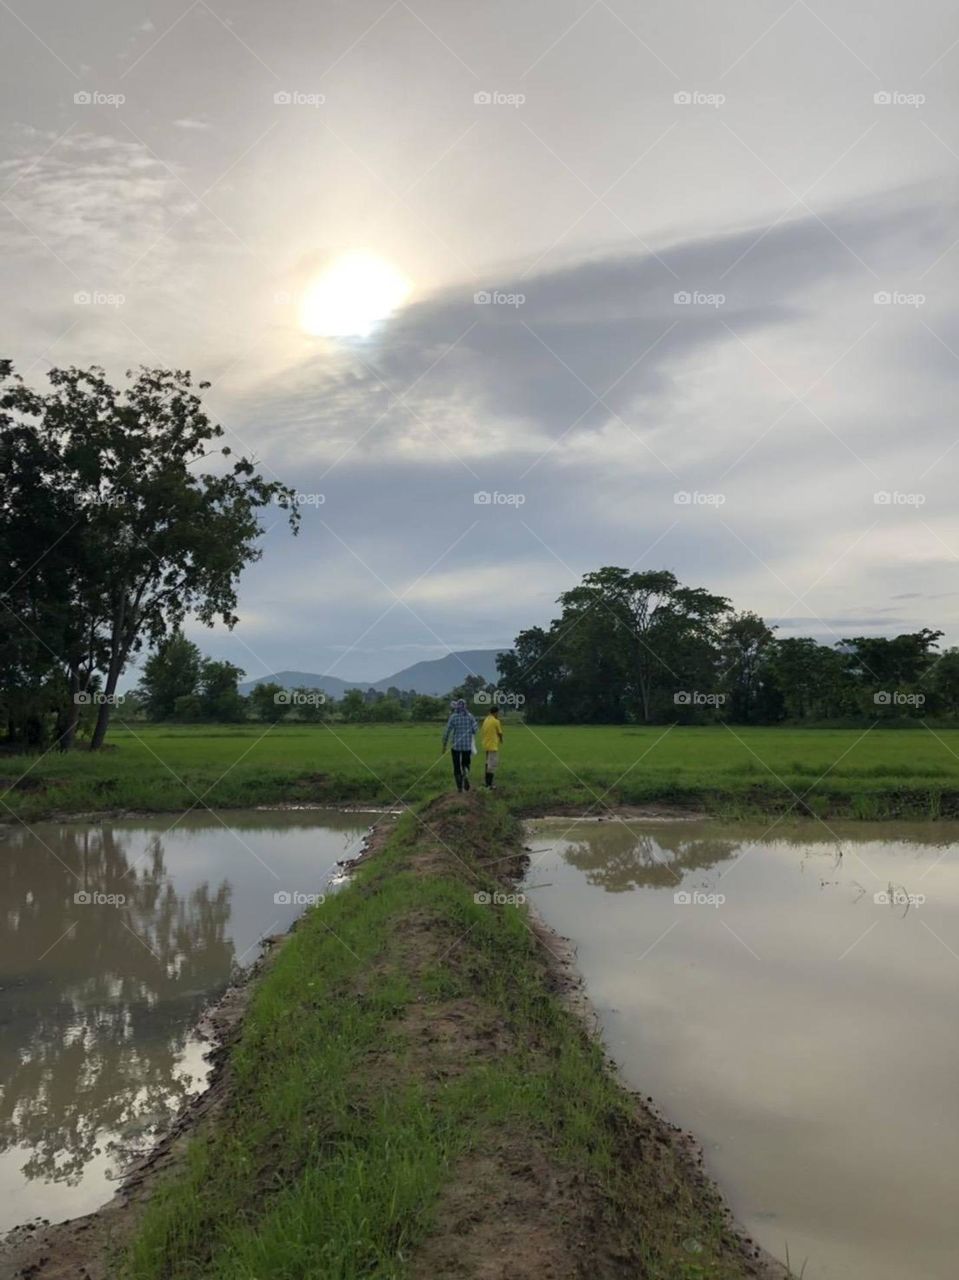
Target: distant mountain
333, 686
437, 676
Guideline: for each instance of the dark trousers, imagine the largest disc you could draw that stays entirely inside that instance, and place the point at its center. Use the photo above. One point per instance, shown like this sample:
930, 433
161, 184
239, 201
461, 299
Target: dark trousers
461, 769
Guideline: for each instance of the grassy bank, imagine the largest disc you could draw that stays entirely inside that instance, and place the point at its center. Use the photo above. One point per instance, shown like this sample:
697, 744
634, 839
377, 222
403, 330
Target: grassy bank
409, 1098
841, 772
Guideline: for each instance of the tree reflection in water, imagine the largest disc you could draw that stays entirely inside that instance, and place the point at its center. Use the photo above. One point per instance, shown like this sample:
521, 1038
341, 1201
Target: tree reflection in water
97, 1001
618, 857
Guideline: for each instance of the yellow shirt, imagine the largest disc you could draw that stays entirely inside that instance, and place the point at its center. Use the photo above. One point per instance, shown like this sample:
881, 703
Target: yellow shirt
491, 733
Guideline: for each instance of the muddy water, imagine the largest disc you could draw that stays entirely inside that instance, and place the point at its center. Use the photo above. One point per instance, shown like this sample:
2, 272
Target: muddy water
115, 937
792, 998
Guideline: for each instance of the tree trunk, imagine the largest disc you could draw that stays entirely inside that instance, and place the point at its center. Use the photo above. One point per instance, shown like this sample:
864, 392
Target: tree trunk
71, 718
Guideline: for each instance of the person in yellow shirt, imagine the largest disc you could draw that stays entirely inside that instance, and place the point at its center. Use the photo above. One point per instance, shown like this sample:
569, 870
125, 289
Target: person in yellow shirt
491, 739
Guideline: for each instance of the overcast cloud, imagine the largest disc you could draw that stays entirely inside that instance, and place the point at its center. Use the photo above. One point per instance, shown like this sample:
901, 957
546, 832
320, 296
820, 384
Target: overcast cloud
785, 435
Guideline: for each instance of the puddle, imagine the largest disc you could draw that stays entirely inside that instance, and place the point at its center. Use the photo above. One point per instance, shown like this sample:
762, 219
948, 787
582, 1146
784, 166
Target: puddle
793, 1000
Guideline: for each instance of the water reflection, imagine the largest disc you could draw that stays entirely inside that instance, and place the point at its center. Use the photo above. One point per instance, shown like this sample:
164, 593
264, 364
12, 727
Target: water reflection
616, 857
802, 1020
115, 938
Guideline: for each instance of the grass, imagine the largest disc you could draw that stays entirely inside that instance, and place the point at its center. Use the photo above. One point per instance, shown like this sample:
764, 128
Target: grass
343, 1129
844, 772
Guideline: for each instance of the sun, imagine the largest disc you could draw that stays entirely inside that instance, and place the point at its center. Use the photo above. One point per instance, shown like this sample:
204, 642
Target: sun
352, 296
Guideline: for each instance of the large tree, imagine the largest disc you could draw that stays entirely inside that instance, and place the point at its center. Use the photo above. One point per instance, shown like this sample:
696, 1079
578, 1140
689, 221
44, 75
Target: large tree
665, 633
104, 489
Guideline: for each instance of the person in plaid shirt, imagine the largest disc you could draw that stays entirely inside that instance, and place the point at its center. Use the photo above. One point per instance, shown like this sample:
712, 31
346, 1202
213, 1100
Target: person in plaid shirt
459, 731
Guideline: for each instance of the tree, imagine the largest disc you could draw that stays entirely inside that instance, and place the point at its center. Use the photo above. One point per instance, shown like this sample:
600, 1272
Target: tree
532, 670
353, 706
151, 537
744, 639
425, 707
172, 672
665, 634
267, 701
220, 700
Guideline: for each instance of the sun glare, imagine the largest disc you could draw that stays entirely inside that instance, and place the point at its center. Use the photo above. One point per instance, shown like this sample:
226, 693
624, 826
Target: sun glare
352, 296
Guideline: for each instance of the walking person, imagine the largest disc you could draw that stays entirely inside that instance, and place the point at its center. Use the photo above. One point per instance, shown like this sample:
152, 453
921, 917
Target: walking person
491, 739
460, 728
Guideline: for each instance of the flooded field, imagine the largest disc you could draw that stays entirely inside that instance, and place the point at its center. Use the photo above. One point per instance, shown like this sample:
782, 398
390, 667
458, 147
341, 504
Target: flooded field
115, 937
791, 996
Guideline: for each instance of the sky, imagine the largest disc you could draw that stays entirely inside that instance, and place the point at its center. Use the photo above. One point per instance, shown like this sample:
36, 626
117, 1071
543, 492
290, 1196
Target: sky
678, 291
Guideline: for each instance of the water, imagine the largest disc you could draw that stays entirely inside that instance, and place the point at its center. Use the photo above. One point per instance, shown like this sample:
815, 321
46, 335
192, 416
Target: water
115, 937
796, 1007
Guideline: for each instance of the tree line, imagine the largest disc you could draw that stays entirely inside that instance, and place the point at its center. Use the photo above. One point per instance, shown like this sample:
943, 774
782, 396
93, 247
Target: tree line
179, 684
640, 647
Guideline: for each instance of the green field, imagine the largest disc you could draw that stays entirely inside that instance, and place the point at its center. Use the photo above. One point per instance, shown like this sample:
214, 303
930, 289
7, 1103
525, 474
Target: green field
859, 773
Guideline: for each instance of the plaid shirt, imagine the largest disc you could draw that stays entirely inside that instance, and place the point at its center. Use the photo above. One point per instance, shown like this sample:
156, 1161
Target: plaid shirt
460, 727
